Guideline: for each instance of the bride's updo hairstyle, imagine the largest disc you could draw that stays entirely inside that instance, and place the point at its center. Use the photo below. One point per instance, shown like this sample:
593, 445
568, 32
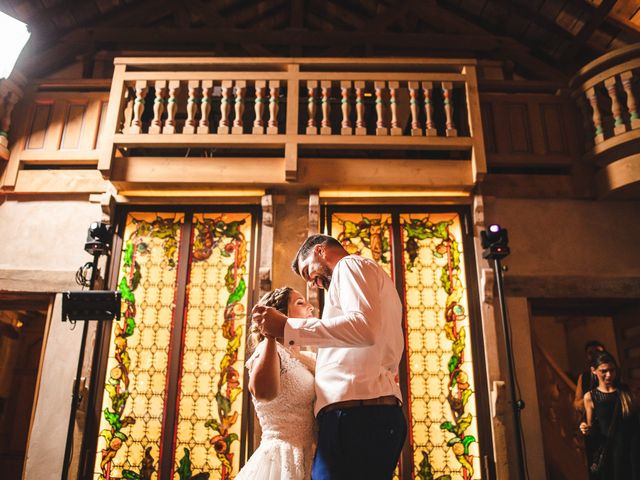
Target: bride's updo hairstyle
278, 299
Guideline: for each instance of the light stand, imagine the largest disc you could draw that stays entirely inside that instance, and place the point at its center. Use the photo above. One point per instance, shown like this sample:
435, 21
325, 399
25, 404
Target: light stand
495, 244
85, 306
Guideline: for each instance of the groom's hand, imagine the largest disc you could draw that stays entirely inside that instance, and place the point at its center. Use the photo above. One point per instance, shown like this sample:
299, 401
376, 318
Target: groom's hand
271, 321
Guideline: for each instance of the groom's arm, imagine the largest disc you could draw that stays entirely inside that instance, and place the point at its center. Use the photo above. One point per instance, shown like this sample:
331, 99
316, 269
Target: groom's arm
358, 296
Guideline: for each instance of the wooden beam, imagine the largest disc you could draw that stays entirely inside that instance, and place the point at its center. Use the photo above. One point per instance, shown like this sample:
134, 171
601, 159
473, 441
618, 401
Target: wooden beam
203, 36
449, 18
595, 21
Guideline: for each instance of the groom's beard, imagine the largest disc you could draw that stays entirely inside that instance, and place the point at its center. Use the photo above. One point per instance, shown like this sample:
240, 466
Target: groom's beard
325, 277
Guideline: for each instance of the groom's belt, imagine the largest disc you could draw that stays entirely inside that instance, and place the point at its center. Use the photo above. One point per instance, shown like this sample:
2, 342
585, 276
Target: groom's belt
386, 400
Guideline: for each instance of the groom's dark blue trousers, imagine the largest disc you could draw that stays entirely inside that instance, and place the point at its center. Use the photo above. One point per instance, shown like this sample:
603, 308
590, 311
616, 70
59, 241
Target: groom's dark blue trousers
361, 442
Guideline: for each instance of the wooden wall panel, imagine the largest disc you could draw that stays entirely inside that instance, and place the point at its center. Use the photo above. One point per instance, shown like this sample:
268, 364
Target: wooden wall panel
553, 128
39, 125
518, 126
527, 131
73, 125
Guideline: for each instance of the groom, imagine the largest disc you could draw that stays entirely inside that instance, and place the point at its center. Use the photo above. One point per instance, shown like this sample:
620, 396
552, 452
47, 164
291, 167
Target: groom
360, 343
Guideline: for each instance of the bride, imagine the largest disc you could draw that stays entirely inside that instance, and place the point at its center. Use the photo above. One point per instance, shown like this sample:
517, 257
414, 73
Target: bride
282, 385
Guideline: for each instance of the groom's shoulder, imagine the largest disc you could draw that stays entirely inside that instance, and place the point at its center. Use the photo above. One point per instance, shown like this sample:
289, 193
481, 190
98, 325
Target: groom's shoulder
357, 261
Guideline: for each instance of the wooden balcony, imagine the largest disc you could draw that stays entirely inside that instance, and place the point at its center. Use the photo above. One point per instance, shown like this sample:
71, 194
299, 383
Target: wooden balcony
607, 90
191, 122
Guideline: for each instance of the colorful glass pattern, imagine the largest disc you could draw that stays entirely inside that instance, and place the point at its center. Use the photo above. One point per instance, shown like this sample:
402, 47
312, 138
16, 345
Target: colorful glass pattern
134, 400
441, 402
443, 413
213, 357
365, 234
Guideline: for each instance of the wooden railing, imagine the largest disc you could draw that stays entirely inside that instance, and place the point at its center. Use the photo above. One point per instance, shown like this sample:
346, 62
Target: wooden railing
291, 105
563, 443
608, 94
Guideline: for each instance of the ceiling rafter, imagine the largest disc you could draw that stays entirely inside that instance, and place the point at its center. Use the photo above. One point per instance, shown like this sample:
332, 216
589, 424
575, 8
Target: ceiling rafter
438, 16
596, 19
336, 10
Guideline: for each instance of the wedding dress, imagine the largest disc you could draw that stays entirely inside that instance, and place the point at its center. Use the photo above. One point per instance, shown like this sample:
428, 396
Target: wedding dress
288, 425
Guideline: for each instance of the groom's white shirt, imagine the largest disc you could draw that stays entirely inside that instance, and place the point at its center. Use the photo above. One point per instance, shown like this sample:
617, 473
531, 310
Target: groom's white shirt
359, 337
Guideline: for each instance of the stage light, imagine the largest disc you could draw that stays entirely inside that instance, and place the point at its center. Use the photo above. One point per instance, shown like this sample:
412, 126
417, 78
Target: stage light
99, 238
495, 242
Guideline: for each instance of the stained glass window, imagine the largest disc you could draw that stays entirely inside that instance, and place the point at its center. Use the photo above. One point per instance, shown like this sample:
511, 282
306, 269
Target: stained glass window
439, 382
202, 440
211, 390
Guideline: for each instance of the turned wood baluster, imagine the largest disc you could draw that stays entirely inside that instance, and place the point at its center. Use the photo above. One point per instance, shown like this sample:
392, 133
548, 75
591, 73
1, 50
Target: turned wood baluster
172, 108
158, 106
192, 106
223, 127
632, 106
618, 123
346, 125
205, 109
381, 128
595, 117
416, 130
274, 92
361, 129
258, 123
127, 113
447, 93
427, 88
237, 122
138, 106
325, 124
312, 127
10, 100
393, 100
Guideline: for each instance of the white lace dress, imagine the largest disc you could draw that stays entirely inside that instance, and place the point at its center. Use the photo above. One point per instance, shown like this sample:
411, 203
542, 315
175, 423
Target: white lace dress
288, 425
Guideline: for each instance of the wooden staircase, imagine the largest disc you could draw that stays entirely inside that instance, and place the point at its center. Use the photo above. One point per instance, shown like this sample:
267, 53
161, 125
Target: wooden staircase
563, 442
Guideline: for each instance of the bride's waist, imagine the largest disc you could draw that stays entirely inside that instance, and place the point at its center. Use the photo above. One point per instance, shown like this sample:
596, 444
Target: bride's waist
301, 436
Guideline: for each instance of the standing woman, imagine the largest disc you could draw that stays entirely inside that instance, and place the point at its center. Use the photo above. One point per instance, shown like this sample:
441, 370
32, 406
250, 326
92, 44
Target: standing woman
281, 383
612, 424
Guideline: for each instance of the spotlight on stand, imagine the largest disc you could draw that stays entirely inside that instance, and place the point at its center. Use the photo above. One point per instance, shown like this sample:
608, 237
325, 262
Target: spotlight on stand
495, 246
99, 238
495, 242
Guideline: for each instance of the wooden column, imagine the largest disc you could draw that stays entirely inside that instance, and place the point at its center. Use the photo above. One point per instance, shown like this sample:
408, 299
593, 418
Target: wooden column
632, 104
360, 126
427, 88
595, 117
138, 107
447, 92
205, 107
325, 125
266, 245
172, 108
239, 110
312, 125
381, 128
274, 92
393, 92
618, 123
258, 123
416, 130
158, 106
192, 107
223, 126
9, 96
346, 125
314, 228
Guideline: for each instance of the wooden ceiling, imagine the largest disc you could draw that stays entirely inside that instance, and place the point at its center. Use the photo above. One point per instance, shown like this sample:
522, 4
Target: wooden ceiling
543, 39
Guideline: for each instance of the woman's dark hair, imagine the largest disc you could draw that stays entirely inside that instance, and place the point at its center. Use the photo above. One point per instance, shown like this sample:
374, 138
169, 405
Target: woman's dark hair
278, 299
626, 401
